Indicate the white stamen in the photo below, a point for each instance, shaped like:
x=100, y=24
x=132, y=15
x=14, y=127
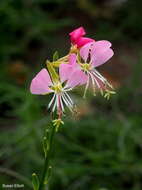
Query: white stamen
x=86, y=87
x=61, y=98
x=64, y=100
x=61, y=102
x=99, y=76
x=103, y=79
x=69, y=98
x=95, y=80
x=66, y=88
x=68, y=103
x=58, y=101
x=92, y=78
x=51, y=102
x=55, y=104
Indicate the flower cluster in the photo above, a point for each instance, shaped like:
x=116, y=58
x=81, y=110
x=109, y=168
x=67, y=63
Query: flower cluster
x=77, y=68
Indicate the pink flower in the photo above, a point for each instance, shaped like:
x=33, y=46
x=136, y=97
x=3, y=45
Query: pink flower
x=77, y=33
x=77, y=38
x=42, y=84
x=93, y=55
x=71, y=72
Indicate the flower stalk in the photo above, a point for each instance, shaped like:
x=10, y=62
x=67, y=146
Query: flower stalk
x=47, y=147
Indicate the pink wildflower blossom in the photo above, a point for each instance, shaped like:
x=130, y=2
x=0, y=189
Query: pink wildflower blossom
x=77, y=38
x=42, y=84
x=71, y=72
x=90, y=56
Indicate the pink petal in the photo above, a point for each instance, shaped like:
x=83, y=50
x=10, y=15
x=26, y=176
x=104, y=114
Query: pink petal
x=82, y=41
x=102, y=57
x=94, y=48
x=65, y=71
x=72, y=59
x=84, y=51
x=40, y=83
x=77, y=33
x=99, y=47
x=78, y=77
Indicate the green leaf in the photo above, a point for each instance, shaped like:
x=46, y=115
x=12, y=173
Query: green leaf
x=35, y=181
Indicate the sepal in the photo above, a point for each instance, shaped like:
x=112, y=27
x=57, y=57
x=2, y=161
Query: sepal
x=48, y=175
x=52, y=71
x=35, y=181
x=55, y=56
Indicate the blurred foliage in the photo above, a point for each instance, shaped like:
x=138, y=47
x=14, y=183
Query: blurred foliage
x=24, y=22
x=102, y=148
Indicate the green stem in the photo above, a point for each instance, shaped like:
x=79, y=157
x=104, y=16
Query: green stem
x=47, y=158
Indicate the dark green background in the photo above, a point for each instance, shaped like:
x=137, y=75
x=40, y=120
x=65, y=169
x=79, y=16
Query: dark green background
x=100, y=148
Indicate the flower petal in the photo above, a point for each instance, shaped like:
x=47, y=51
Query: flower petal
x=94, y=48
x=40, y=84
x=77, y=33
x=78, y=77
x=102, y=57
x=65, y=71
x=82, y=41
x=84, y=51
x=99, y=47
x=72, y=59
